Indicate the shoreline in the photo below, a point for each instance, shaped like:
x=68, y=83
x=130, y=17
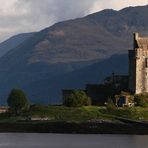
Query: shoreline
x=74, y=128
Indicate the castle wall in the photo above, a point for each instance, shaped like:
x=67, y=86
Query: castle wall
x=138, y=65
x=140, y=72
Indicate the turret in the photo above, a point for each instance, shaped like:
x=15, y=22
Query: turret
x=136, y=36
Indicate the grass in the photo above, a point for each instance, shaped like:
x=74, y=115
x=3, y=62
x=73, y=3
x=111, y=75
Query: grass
x=60, y=113
x=133, y=113
x=79, y=114
x=82, y=114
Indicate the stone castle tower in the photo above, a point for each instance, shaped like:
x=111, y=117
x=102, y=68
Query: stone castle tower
x=138, y=65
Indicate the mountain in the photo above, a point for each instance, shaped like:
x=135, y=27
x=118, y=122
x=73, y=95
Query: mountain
x=43, y=64
x=92, y=74
x=13, y=42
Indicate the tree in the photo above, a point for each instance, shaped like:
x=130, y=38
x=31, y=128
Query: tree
x=77, y=98
x=17, y=101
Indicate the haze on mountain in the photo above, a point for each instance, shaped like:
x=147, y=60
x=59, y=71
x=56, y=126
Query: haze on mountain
x=72, y=53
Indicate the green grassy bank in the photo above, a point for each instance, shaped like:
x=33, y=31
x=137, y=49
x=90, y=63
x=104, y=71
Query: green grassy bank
x=83, y=114
x=78, y=114
x=93, y=119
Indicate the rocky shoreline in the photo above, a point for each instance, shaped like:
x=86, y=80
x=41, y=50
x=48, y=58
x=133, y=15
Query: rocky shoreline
x=78, y=128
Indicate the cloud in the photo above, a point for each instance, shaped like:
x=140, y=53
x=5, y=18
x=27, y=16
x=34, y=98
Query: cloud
x=32, y=15
x=115, y=4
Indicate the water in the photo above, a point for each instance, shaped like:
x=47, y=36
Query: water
x=15, y=140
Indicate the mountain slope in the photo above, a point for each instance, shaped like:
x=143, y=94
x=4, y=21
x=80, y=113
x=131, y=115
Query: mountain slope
x=92, y=74
x=13, y=42
x=50, y=57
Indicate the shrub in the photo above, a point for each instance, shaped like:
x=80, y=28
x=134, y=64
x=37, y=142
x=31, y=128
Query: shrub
x=39, y=110
x=77, y=98
x=110, y=105
x=141, y=99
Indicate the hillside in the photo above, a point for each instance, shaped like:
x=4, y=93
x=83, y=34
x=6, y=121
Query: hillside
x=41, y=65
x=91, y=74
x=13, y=42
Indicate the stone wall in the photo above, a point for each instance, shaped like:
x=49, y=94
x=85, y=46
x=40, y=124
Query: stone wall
x=138, y=65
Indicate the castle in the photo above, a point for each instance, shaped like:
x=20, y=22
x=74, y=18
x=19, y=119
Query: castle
x=136, y=82
x=138, y=65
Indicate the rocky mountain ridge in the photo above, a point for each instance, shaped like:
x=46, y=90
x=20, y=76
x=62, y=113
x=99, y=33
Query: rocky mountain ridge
x=39, y=63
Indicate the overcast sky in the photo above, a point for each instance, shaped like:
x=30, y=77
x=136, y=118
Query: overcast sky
x=17, y=16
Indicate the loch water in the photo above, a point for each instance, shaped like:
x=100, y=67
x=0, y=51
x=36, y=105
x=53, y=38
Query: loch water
x=34, y=140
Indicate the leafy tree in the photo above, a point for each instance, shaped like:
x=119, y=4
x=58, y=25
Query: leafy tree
x=77, y=98
x=17, y=101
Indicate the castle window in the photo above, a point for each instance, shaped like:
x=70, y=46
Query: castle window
x=146, y=62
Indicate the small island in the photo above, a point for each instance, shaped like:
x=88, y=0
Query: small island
x=117, y=106
x=76, y=115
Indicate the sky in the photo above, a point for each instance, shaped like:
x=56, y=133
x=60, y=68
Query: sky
x=19, y=16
